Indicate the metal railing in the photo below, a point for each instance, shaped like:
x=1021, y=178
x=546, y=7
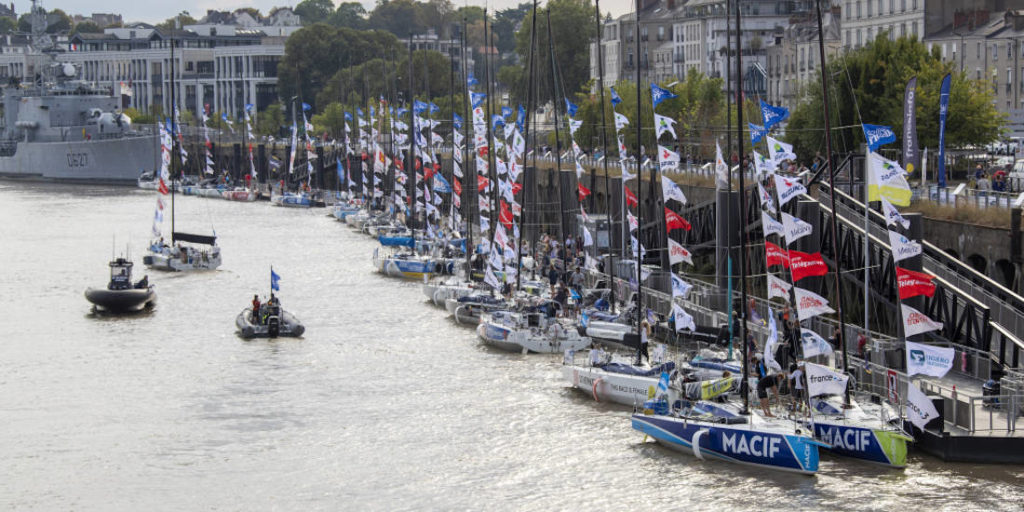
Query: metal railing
x=970, y=196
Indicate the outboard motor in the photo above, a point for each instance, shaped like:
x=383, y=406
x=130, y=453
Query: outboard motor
x=273, y=326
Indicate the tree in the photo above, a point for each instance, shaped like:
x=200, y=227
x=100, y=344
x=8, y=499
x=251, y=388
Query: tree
x=58, y=22
x=505, y=22
x=878, y=74
x=138, y=117
x=270, y=120
x=7, y=25
x=331, y=120
x=572, y=27
x=86, y=27
x=400, y=17
x=349, y=14
x=174, y=22
x=314, y=11
x=252, y=11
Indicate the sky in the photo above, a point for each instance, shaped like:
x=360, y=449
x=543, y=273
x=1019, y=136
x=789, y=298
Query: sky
x=151, y=11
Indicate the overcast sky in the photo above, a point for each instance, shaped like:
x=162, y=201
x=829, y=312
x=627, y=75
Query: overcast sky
x=151, y=11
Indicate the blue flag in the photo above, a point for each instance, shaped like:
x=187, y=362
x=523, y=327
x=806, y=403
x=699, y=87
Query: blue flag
x=877, y=135
x=570, y=108
x=341, y=172
x=401, y=111
x=419, y=107
x=359, y=112
x=275, y=281
x=305, y=107
x=249, y=107
x=496, y=121
x=441, y=185
x=348, y=116
x=457, y=121
x=434, y=108
x=506, y=111
x=660, y=94
x=773, y=115
x=470, y=80
x=521, y=118
x=476, y=98
x=757, y=133
x=943, y=111
x=615, y=97
x=372, y=112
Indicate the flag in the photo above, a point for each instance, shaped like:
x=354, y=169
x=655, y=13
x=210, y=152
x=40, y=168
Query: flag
x=943, y=112
x=505, y=215
x=721, y=169
x=633, y=222
x=631, y=199
x=903, y=248
x=911, y=153
x=795, y=228
x=877, y=135
x=787, y=188
x=822, y=380
x=275, y=281
x=777, y=287
x=773, y=115
x=916, y=322
x=491, y=279
x=680, y=288
x=763, y=165
x=766, y=200
x=920, y=409
x=775, y=255
x=810, y=304
x=659, y=94
x=912, y=284
x=162, y=187
x=482, y=183
x=771, y=226
x=803, y=264
x=682, y=319
x=674, y=221
x=677, y=253
x=813, y=344
x=928, y=359
x=669, y=190
x=621, y=122
x=588, y=240
x=771, y=342
x=477, y=98
x=887, y=179
x=757, y=133
x=570, y=108
x=892, y=215
x=668, y=160
x=615, y=97
x=441, y=185
x=664, y=124
x=779, y=151
x=582, y=191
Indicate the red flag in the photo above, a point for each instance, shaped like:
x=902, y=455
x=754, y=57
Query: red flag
x=162, y=188
x=803, y=264
x=457, y=187
x=481, y=183
x=912, y=283
x=516, y=187
x=430, y=172
x=582, y=191
x=674, y=221
x=400, y=165
x=775, y=255
x=630, y=197
x=505, y=216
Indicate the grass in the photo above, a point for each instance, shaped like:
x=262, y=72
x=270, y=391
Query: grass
x=967, y=213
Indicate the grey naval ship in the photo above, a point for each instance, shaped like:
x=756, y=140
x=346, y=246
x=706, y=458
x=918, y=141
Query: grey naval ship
x=60, y=128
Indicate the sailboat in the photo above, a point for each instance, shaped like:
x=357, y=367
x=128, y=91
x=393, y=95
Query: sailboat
x=186, y=251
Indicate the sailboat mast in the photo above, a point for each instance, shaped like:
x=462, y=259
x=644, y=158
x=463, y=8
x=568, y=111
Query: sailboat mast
x=451, y=101
x=174, y=137
x=558, y=142
x=639, y=188
x=526, y=137
x=467, y=185
x=410, y=168
x=841, y=335
x=604, y=154
x=743, y=208
x=492, y=171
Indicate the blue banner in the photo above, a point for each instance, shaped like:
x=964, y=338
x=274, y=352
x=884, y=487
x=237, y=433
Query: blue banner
x=441, y=185
x=457, y=121
x=773, y=115
x=470, y=80
x=506, y=111
x=305, y=107
x=496, y=121
x=477, y=98
x=520, y=118
x=660, y=94
x=943, y=110
x=419, y=107
x=348, y=116
x=877, y=135
x=615, y=97
x=757, y=133
x=274, y=281
x=570, y=108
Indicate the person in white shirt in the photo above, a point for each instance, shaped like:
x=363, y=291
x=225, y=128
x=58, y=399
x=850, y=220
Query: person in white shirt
x=796, y=385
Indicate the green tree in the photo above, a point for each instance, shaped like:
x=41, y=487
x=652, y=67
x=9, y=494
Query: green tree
x=270, y=120
x=572, y=27
x=349, y=14
x=314, y=11
x=138, y=117
x=505, y=22
x=878, y=74
x=86, y=27
x=331, y=120
x=8, y=26
x=400, y=17
x=58, y=22
x=174, y=22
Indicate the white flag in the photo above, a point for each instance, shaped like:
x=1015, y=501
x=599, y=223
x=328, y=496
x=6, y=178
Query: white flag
x=680, y=288
x=574, y=125
x=771, y=342
x=813, y=344
x=683, y=319
x=795, y=228
x=771, y=226
x=810, y=304
x=886, y=179
x=928, y=359
x=892, y=215
x=664, y=124
x=902, y=247
x=779, y=151
x=916, y=322
x=491, y=279
x=587, y=239
x=668, y=160
x=920, y=409
x=678, y=254
x=787, y=188
x=762, y=164
x=633, y=222
x=822, y=380
x=778, y=288
x=669, y=190
x=621, y=122
x=721, y=169
x=766, y=200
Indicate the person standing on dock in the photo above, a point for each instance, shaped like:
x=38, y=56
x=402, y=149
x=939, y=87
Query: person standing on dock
x=645, y=335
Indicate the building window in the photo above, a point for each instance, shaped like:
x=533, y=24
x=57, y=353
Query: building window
x=869, y=8
x=903, y=32
x=1009, y=51
x=995, y=52
x=859, y=16
x=913, y=5
x=903, y=5
x=880, y=6
x=858, y=37
x=913, y=28
x=891, y=4
x=978, y=56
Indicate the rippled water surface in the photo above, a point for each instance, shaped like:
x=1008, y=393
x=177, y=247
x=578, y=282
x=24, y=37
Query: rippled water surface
x=385, y=404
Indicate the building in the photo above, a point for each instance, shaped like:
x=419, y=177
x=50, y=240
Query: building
x=101, y=20
x=863, y=20
x=794, y=57
x=450, y=47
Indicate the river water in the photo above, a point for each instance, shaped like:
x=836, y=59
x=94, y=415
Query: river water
x=385, y=404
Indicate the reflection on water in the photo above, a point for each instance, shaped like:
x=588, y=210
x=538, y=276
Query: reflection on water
x=384, y=404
